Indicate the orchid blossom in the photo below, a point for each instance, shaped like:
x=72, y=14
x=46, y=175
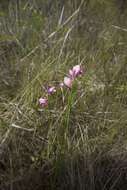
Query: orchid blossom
x=61, y=85
x=75, y=71
x=43, y=102
x=51, y=90
x=68, y=82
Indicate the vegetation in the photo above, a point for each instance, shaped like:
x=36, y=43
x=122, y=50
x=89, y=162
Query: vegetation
x=79, y=143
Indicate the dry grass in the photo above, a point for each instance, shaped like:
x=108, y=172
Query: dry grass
x=81, y=143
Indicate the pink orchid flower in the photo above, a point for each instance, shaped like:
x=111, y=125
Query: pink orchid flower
x=71, y=73
x=75, y=71
x=43, y=102
x=61, y=85
x=78, y=70
x=68, y=82
x=51, y=90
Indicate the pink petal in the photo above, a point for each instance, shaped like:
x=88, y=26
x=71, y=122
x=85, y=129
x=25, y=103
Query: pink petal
x=71, y=73
x=61, y=85
x=77, y=67
x=51, y=90
x=68, y=82
x=77, y=70
x=43, y=102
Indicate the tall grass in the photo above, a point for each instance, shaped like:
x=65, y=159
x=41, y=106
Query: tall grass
x=78, y=143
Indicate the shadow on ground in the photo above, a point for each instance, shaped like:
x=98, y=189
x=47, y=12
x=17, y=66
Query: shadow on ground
x=100, y=174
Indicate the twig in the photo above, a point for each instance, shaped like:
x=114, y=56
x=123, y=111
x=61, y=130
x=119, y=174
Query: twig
x=18, y=127
x=119, y=28
x=61, y=17
x=5, y=137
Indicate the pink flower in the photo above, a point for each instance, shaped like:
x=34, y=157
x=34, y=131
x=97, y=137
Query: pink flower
x=43, y=102
x=71, y=73
x=78, y=70
x=61, y=85
x=68, y=82
x=75, y=71
x=51, y=90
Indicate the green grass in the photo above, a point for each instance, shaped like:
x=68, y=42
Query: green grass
x=78, y=143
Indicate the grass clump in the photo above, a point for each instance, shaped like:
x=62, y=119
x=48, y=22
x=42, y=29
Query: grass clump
x=78, y=141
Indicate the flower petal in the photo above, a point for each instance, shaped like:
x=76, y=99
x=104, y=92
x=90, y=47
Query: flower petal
x=51, y=90
x=77, y=70
x=61, y=85
x=43, y=102
x=71, y=73
x=68, y=82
